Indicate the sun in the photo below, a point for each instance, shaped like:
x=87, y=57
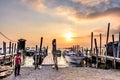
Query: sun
x=68, y=36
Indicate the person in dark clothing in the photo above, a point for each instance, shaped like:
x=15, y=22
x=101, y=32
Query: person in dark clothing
x=17, y=64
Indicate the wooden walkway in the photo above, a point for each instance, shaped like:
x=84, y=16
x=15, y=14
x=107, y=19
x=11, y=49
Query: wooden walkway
x=108, y=58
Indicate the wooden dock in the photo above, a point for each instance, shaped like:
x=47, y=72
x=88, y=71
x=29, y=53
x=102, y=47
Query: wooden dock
x=6, y=59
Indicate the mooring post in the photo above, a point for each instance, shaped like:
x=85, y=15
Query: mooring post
x=118, y=50
x=41, y=41
x=47, y=50
x=12, y=48
x=107, y=41
x=100, y=42
x=4, y=51
x=40, y=51
x=119, y=36
x=15, y=48
x=114, y=52
x=91, y=52
x=12, y=54
x=96, y=53
x=35, y=58
x=54, y=53
x=9, y=47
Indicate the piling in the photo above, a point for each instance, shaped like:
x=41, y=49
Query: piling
x=107, y=40
x=4, y=51
x=12, y=59
x=119, y=36
x=100, y=42
x=9, y=47
x=114, y=53
x=15, y=48
x=96, y=53
x=36, y=61
x=118, y=50
x=54, y=53
x=91, y=43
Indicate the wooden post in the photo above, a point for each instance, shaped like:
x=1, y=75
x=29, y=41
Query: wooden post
x=119, y=36
x=107, y=40
x=114, y=52
x=9, y=47
x=47, y=50
x=96, y=53
x=54, y=53
x=41, y=41
x=91, y=43
x=15, y=48
x=82, y=49
x=12, y=48
x=41, y=45
x=118, y=50
x=36, y=61
x=100, y=42
x=4, y=51
x=12, y=56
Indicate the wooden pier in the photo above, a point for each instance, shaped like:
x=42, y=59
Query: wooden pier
x=112, y=51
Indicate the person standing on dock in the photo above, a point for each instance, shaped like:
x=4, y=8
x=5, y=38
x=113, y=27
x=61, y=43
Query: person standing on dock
x=17, y=64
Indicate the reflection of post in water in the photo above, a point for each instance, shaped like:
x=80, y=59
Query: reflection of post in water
x=54, y=53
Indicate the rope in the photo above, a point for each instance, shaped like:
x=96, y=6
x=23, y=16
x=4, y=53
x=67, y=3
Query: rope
x=6, y=37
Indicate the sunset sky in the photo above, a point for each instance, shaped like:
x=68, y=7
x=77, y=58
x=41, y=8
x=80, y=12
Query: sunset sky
x=69, y=21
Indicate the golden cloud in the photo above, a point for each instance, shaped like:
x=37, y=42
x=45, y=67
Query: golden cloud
x=37, y=4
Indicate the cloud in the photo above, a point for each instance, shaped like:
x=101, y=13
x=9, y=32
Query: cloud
x=116, y=30
x=79, y=9
x=37, y=4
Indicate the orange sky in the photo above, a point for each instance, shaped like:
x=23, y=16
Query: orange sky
x=32, y=19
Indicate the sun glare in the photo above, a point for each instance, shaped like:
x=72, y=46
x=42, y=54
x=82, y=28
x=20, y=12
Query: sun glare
x=68, y=36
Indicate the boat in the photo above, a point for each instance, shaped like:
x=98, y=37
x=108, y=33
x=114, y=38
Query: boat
x=71, y=57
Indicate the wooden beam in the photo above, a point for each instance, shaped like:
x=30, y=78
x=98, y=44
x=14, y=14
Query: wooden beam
x=96, y=53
